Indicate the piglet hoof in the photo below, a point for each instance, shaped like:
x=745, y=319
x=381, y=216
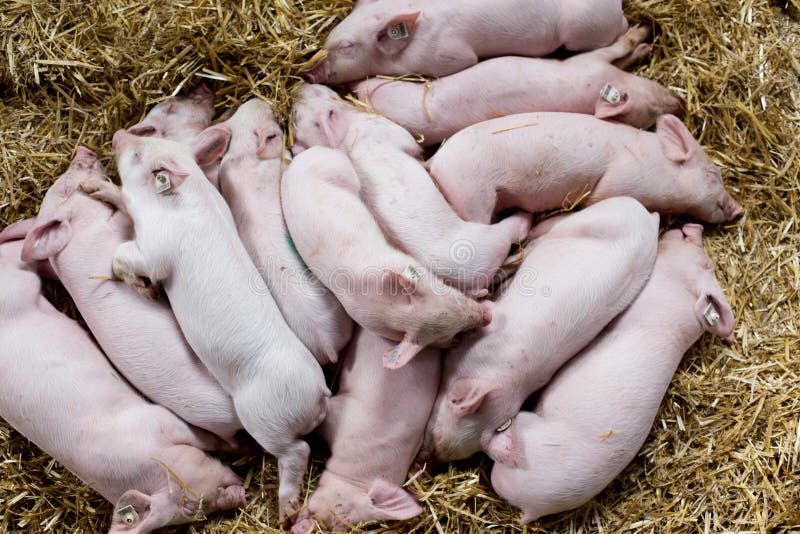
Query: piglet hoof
x=289, y=506
x=103, y=191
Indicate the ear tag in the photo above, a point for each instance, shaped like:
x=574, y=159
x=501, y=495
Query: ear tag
x=394, y=355
x=128, y=514
x=411, y=273
x=711, y=315
x=398, y=31
x=162, y=182
x=504, y=426
x=611, y=94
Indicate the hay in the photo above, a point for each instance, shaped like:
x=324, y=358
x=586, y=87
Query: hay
x=724, y=452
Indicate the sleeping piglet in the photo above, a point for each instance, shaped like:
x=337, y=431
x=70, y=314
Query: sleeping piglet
x=382, y=289
x=591, y=83
x=60, y=392
x=250, y=182
x=374, y=429
x=580, y=271
x=440, y=37
x=79, y=234
x=541, y=161
x=595, y=414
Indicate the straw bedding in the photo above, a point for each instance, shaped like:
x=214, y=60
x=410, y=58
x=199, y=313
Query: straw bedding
x=724, y=452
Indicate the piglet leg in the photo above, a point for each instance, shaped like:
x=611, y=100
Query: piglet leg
x=130, y=267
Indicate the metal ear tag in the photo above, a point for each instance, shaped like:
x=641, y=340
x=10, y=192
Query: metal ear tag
x=128, y=514
x=611, y=94
x=711, y=315
x=398, y=31
x=162, y=182
x=504, y=426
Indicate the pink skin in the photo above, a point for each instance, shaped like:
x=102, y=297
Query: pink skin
x=141, y=337
x=187, y=241
x=435, y=110
x=579, y=273
x=382, y=289
x=181, y=119
x=374, y=429
x=446, y=37
x=405, y=202
x=60, y=392
x=595, y=414
x=250, y=176
x=542, y=161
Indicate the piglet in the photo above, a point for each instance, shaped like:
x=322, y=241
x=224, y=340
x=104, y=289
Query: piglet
x=60, y=392
x=382, y=289
x=542, y=161
x=440, y=37
x=250, y=176
x=595, y=414
x=580, y=271
x=591, y=83
x=401, y=195
x=186, y=240
x=374, y=429
x=141, y=337
x=178, y=118
x=182, y=118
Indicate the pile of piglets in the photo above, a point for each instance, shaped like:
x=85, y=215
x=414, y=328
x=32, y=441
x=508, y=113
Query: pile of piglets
x=226, y=274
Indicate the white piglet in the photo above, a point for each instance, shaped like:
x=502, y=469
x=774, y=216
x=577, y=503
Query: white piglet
x=250, y=181
x=186, y=240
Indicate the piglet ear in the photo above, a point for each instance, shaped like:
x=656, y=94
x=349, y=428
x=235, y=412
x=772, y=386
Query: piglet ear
x=334, y=125
x=142, y=129
x=397, y=33
x=130, y=511
x=46, y=239
x=210, y=145
x=392, y=502
x=17, y=230
x=714, y=313
x=502, y=448
x=402, y=353
x=676, y=140
x=613, y=103
x=467, y=394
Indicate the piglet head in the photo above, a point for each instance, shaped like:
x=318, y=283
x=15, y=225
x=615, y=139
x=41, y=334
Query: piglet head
x=440, y=313
x=464, y=421
x=337, y=504
x=160, y=166
x=683, y=250
x=636, y=101
x=253, y=130
x=178, y=118
x=199, y=485
x=320, y=118
x=699, y=181
x=364, y=42
x=53, y=227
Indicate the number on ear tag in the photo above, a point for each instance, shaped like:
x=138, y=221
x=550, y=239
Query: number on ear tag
x=611, y=94
x=398, y=31
x=162, y=182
